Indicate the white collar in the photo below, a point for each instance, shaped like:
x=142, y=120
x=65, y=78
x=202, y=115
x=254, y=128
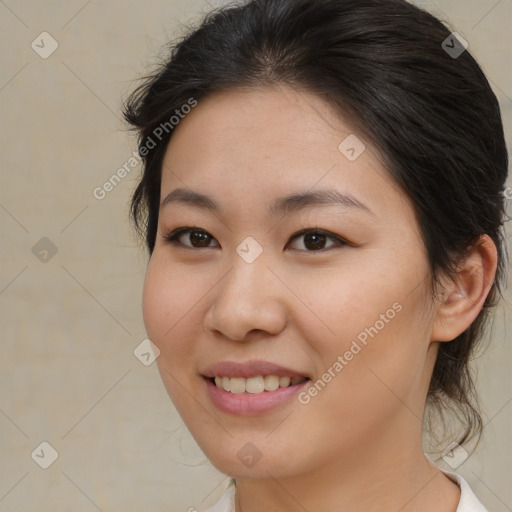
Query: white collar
x=468, y=501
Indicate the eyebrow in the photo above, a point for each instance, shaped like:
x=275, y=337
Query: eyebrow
x=281, y=206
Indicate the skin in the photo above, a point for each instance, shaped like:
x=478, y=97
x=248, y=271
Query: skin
x=357, y=444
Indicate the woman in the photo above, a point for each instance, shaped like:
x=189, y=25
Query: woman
x=322, y=201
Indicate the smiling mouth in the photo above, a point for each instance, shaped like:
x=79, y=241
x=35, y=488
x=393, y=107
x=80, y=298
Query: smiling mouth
x=257, y=384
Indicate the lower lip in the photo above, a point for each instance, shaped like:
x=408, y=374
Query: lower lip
x=242, y=404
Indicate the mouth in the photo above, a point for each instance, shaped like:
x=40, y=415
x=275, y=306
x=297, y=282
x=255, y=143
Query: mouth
x=252, y=387
x=256, y=384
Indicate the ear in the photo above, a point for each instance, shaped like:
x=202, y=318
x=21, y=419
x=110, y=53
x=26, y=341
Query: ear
x=464, y=295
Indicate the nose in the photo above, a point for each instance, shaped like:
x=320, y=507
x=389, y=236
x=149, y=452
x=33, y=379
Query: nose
x=247, y=301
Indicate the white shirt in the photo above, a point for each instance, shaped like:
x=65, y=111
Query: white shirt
x=468, y=501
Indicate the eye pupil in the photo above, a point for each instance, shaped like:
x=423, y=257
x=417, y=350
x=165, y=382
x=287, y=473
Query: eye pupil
x=317, y=238
x=200, y=237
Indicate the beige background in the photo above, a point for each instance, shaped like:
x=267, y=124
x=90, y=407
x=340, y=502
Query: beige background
x=70, y=324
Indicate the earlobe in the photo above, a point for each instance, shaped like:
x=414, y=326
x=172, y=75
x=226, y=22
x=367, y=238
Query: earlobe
x=465, y=294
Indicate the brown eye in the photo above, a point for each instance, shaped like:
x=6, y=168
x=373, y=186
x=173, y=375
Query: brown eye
x=197, y=238
x=315, y=240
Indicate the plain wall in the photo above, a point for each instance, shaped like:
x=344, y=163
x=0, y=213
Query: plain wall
x=70, y=321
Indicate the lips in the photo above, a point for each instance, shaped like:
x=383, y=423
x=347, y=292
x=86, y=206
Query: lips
x=252, y=387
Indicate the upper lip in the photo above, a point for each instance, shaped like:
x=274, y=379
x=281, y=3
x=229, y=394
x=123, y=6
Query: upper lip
x=249, y=369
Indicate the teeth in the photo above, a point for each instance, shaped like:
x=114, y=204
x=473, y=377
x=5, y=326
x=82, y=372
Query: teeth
x=257, y=384
x=225, y=383
x=271, y=382
x=284, y=382
x=236, y=384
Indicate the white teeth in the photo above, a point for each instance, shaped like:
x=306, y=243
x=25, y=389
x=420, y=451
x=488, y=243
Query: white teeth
x=284, y=382
x=225, y=383
x=236, y=384
x=271, y=382
x=257, y=384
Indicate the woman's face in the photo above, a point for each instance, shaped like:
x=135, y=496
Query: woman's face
x=342, y=310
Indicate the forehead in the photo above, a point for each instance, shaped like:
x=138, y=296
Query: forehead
x=260, y=114
x=241, y=145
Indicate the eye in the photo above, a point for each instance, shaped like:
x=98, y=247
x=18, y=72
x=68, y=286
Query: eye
x=200, y=237
x=313, y=239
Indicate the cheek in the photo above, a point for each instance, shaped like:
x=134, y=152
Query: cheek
x=382, y=369
x=369, y=330
x=155, y=304
x=168, y=301
x=344, y=303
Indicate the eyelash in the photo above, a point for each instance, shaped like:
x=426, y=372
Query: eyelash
x=173, y=238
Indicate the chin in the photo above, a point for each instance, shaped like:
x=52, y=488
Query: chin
x=242, y=459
